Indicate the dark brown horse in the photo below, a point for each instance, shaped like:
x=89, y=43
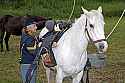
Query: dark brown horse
x=13, y=25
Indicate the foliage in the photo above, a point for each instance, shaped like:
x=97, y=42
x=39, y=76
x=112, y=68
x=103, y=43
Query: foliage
x=59, y=8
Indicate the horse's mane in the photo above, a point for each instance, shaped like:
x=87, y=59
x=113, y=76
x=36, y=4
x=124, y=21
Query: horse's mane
x=80, y=22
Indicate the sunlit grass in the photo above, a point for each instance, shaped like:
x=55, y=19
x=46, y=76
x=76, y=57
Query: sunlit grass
x=61, y=9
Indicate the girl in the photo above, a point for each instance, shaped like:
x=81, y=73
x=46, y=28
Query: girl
x=27, y=48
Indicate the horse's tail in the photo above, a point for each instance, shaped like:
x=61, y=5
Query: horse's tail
x=2, y=33
x=3, y=21
x=2, y=28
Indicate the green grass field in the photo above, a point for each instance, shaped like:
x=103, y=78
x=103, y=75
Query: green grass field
x=114, y=72
x=59, y=9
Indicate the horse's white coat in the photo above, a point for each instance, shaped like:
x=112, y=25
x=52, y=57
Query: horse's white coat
x=71, y=50
x=73, y=45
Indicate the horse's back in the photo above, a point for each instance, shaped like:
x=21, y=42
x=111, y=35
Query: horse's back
x=14, y=25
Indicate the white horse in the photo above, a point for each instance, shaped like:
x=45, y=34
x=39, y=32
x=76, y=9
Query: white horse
x=71, y=50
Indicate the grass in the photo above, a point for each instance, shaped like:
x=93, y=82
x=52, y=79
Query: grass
x=60, y=9
x=113, y=73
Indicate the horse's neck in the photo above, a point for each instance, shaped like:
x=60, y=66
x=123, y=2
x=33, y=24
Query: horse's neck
x=75, y=37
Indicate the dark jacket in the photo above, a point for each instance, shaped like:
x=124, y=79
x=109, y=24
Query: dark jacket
x=27, y=56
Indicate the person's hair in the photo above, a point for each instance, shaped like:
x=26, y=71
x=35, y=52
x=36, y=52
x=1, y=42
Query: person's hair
x=25, y=30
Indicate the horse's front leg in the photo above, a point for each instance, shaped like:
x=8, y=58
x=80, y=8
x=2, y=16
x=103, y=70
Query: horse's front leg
x=77, y=78
x=59, y=76
x=50, y=74
x=7, y=36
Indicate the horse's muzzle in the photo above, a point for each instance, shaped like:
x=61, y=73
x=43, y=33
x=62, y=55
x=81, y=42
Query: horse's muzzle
x=102, y=46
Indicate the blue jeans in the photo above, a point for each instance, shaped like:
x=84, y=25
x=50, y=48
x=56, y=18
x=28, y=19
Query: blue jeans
x=23, y=71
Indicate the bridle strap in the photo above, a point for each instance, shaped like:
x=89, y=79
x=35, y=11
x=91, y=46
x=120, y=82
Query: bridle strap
x=86, y=30
x=99, y=40
x=88, y=35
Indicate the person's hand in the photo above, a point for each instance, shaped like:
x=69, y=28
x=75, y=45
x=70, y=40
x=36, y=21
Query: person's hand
x=54, y=45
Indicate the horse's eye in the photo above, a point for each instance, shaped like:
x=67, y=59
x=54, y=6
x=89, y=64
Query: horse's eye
x=91, y=25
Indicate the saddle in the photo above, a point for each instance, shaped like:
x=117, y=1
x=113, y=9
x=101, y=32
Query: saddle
x=49, y=39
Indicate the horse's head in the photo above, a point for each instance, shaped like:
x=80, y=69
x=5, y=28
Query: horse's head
x=95, y=28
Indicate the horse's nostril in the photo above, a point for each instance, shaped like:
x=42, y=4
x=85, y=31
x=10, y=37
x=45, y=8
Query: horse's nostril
x=101, y=46
x=91, y=26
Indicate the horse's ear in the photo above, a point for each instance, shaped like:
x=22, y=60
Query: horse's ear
x=100, y=9
x=84, y=10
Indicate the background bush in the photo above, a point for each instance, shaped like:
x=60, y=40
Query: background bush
x=59, y=8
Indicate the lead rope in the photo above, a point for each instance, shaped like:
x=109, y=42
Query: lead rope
x=116, y=25
x=73, y=8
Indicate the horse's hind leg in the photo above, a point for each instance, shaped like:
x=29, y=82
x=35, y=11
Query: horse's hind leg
x=77, y=78
x=7, y=36
x=48, y=75
x=1, y=39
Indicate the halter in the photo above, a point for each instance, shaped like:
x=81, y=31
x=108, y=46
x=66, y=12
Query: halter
x=86, y=30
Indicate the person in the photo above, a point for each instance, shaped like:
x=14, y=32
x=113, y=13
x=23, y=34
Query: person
x=27, y=49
